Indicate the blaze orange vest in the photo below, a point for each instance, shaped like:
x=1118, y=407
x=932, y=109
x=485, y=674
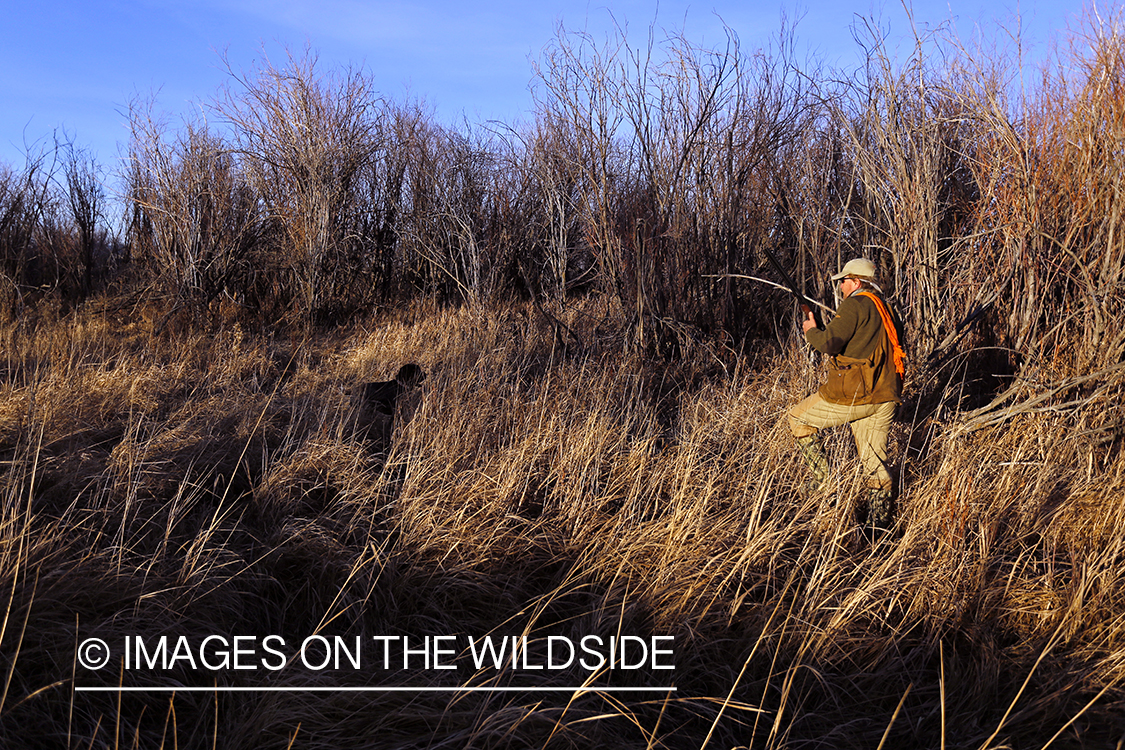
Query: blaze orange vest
x=892, y=332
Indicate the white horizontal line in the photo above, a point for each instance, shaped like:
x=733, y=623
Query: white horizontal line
x=284, y=689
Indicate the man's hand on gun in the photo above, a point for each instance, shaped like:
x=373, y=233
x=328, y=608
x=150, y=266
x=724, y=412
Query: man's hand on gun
x=809, y=321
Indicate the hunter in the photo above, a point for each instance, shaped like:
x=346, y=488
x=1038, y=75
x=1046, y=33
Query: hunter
x=865, y=370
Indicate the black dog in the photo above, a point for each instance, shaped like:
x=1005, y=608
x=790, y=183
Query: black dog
x=375, y=405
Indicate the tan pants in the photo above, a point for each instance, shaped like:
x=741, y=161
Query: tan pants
x=869, y=422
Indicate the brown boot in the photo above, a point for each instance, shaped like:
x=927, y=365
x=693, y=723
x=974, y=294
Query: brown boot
x=812, y=450
x=880, y=513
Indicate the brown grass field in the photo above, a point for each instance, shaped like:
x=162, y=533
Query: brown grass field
x=200, y=483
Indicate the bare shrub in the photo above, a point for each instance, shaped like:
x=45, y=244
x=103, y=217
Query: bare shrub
x=453, y=229
x=1053, y=205
x=579, y=104
x=72, y=245
x=86, y=199
x=551, y=172
x=305, y=137
x=1041, y=265
x=715, y=131
x=24, y=197
x=195, y=221
x=384, y=201
x=675, y=158
x=905, y=136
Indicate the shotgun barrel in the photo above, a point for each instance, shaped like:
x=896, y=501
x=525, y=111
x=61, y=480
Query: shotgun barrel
x=806, y=305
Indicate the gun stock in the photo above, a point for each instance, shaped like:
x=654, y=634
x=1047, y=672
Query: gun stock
x=806, y=309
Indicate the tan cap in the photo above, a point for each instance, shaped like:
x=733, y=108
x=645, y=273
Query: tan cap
x=858, y=267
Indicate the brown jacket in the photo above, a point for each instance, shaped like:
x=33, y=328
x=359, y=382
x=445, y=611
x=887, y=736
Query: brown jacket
x=861, y=366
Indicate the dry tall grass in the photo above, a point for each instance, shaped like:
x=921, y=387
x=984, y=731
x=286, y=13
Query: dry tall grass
x=203, y=482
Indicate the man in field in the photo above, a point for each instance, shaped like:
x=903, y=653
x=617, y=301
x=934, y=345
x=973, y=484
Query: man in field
x=865, y=371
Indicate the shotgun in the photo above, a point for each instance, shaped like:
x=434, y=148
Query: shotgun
x=806, y=305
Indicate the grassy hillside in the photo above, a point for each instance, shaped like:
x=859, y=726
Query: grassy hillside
x=203, y=482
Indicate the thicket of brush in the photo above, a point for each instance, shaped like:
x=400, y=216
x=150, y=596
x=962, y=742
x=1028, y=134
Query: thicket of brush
x=600, y=447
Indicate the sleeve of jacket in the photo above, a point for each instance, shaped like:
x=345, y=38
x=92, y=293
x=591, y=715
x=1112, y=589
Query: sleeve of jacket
x=836, y=335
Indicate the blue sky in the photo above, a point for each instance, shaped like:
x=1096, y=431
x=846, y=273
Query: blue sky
x=75, y=65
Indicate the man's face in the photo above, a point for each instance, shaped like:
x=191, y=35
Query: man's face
x=847, y=286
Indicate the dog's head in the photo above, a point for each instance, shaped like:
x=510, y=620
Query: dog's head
x=409, y=375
